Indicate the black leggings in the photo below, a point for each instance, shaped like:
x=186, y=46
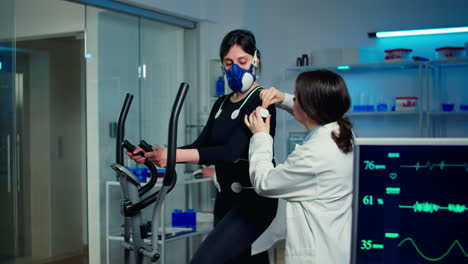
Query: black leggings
x=231, y=239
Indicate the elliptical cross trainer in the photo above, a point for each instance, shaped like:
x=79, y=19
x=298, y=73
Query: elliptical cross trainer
x=133, y=199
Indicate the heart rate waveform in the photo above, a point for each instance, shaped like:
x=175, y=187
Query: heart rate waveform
x=430, y=166
x=454, y=243
x=427, y=207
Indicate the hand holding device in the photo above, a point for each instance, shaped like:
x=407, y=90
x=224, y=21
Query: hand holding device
x=271, y=96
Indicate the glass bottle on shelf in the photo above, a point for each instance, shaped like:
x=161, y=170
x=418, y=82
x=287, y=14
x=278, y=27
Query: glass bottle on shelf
x=220, y=86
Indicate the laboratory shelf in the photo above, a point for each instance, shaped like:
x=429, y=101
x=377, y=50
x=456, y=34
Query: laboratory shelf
x=403, y=65
x=449, y=63
x=117, y=237
x=382, y=114
x=202, y=229
x=186, y=181
x=448, y=114
x=200, y=180
x=434, y=80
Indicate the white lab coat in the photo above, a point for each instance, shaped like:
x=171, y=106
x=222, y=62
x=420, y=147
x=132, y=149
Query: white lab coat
x=316, y=181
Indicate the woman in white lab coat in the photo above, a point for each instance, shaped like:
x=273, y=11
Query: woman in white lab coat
x=316, y=178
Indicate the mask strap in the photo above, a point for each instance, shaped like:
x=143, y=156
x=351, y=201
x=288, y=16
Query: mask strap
x=236, y=112
x=255, y=59
x=248, y=96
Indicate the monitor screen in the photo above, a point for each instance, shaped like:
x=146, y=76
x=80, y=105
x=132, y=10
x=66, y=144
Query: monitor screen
x=410, y=201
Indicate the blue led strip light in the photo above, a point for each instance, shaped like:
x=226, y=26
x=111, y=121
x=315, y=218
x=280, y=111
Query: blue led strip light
x=417, y=32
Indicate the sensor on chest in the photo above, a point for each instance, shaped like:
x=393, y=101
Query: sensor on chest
x=264, y=112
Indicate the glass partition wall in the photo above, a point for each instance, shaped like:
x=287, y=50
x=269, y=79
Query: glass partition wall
x=9, y=224
x=62, y=84
x=42, y=175
x=129, y=54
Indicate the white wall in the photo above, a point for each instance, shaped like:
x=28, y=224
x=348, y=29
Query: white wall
x=48, y=18
x=287, y=29
x=225, y=16
x=220, y=12
x=191, y=9
x=284, y=29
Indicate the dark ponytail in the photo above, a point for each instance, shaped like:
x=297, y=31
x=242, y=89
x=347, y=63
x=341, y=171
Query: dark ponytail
x=325, y=99
x=344, y=140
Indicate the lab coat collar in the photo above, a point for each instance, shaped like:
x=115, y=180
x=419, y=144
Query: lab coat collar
x=332, y=126
x=308, y=136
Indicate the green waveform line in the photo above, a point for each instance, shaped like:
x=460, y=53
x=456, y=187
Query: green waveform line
x=427, y=207
x=428, y=164
x=455, y=242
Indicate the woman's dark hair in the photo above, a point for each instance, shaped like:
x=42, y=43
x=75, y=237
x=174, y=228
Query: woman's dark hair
x=244, y=38
x=325, y=98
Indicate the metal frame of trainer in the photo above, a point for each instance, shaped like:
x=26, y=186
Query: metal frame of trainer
x=133, y=194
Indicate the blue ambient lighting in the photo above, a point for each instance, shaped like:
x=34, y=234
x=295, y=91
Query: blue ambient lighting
x=417, y=32
x=343, y=67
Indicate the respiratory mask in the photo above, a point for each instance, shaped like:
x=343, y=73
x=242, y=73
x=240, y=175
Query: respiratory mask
x=239, y=79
